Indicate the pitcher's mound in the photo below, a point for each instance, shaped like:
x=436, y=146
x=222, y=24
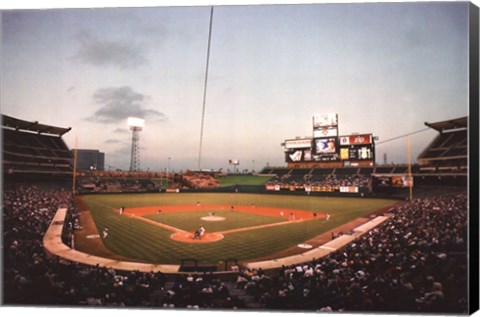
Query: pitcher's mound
x=188, y=237
x=213, y=218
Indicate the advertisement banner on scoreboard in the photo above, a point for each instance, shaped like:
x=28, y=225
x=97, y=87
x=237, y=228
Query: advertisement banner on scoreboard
x=298, y=144
x=325, y=120
x=356, y=139
x=295, y=156
x=299, y=156
x=324, y=132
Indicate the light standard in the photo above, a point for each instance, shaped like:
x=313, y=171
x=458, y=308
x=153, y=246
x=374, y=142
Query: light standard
x=253, y=166
x=136, y=125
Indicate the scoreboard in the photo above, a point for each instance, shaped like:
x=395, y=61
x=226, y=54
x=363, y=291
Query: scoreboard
x=326, y=145
x=345, y=149
x=356, y=147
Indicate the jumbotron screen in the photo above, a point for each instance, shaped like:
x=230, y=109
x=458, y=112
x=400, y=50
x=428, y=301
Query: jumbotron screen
x=325, y=145
x=342, y=148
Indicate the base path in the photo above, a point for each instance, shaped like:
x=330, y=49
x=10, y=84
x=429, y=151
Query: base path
x=185, y=236
x=289, y=214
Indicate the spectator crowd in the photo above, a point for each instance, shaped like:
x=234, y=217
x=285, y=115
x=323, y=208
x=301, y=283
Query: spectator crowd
x=33, y=277
x=327, y=182
x=414, y=262
x=87, y=185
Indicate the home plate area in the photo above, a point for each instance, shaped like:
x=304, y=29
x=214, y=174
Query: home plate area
x=189, y=237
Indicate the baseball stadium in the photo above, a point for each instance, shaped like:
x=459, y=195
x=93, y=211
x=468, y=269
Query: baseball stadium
x=333, y=228
x=261, y=234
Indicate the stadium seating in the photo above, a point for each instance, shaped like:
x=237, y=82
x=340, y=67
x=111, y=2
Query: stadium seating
x=450, y=147
x=330, y=179
x=30, y=148
x=86, y=184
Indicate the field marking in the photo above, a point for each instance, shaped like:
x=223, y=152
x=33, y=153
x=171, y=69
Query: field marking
x=260, y=226
x=156, y=223
x=177, y=230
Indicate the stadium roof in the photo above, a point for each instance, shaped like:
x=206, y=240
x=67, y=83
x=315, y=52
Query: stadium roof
x=18, y=124
x=449, y=124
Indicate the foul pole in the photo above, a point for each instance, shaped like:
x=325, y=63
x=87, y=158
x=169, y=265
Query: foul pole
x=409, y=160
x=74, y=165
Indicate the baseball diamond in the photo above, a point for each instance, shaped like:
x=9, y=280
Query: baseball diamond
x=159, y=228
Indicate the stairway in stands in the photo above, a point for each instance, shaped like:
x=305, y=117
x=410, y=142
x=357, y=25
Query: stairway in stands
x=240, y=293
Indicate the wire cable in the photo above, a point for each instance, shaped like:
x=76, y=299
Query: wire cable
x=401, y=136
x=205, y=90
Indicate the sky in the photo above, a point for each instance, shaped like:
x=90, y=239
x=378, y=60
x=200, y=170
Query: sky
x=384, y=68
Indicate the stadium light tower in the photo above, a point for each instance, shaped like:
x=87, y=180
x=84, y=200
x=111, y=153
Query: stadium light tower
x=136, y=125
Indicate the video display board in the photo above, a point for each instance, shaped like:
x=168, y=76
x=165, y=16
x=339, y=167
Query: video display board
x=357, y=153
x=358, y=147
x=325, y=149
x=325, y=145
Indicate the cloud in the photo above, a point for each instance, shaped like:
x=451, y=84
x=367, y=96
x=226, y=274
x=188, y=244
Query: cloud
x=112, y=141
x=120, y=54
x=120, y=130
x=119, y=103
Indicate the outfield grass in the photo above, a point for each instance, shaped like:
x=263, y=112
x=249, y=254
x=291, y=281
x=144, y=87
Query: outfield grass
x=233, y=180
x=143, y=241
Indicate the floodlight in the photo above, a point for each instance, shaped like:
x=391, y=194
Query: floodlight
x=136, y=122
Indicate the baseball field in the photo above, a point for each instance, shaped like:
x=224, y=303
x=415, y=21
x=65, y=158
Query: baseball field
x=158, y=228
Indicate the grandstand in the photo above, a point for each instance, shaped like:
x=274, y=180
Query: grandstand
x=31, y=149
x=448, y=152
x=446, y=157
